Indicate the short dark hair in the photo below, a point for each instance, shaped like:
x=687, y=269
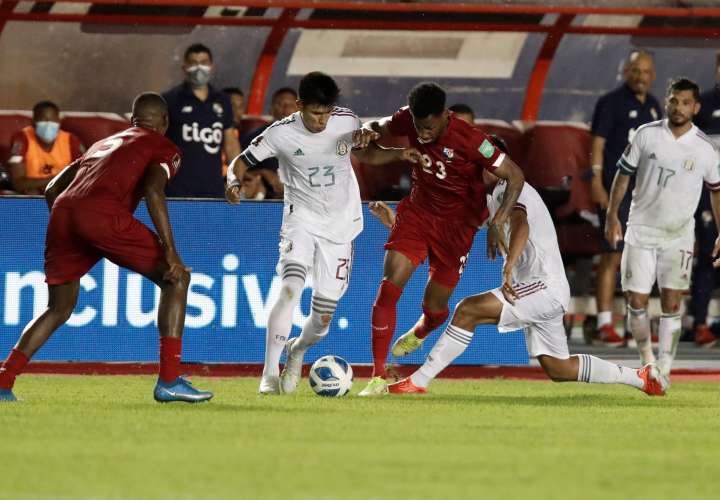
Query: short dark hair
x=462, y=108
x=499, y=143
x=284, y=90
x=681, y=83
x=44, y=105
x=318, y=88
x=197, y=48
x=426, y=99
x=234, y=90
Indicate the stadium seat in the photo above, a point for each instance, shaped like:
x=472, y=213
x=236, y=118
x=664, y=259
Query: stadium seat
x=250, y=123
x=11, y=122
x=91, y=127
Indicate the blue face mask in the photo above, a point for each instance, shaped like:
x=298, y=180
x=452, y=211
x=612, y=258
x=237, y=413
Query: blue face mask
x=47, y=131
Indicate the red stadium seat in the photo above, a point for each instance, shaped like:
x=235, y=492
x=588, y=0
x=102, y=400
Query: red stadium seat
x=250, y=123
x=91, y=127
x=10, y=123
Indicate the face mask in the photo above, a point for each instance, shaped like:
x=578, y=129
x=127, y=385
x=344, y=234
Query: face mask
x=198, y=75
x=47, y=131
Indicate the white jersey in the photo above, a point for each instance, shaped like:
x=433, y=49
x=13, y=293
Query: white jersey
x=670, y=174
x=320, y=185
x=540, y=260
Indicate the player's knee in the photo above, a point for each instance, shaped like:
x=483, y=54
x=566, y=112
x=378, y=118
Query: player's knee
x=62, y=310
x=637, y=302
x=671, y=306
x=465, y=315
x=557, y=370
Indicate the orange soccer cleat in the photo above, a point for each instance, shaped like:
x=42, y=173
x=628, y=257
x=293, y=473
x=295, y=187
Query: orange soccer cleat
x=405, y=386
x=653, y=383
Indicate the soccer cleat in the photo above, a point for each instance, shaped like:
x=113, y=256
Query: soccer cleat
x=405, y=386
x=290, y=376
x=269, y=384
x=610, y=337
x=704, y=337
x=179, y=389
x=406, y=344
x=376, y=387
x=7, y=396
x=654, y=384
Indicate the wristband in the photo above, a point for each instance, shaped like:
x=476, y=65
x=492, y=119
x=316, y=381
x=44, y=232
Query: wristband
x=597, y=169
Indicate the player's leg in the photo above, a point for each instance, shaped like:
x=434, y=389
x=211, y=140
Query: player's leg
x=670, y=329
x=703, y=272
x=332, y=267
x=638, y=271
x=605, y=295
x=61, y=302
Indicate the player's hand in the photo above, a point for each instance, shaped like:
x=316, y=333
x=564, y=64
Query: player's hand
x=411, y=154
x=232, y=194
x=384, y=213
x=716, y=253
x=495, y=240
x=613, y=230
x=598, y=194
x=364, y=136
x=507, y=289
x=177, y=268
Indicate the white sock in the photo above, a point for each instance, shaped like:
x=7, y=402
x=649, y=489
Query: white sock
x=594, y=370
x=639, y=322
x=315, y=328
x=668, y=338
x=604, y=318
x=280, y=320
x=449, y=346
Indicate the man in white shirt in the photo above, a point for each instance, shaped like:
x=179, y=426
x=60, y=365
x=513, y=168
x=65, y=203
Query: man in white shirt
x=670, y=159
x=321, y=217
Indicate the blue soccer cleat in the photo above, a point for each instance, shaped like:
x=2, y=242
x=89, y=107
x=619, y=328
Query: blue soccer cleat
x=179, y=389
x=7, y=396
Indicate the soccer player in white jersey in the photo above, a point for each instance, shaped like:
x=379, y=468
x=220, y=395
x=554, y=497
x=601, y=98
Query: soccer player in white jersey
x=321, y=217
x=534, y=297
x=670, y=159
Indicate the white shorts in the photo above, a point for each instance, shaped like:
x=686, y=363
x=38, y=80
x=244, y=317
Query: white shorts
x=540, y=315
x=331, y=263
x=670, y=264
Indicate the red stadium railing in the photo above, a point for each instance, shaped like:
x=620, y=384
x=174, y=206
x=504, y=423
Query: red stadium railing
x=675, y=25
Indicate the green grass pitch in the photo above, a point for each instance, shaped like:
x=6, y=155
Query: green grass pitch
x=104, y=437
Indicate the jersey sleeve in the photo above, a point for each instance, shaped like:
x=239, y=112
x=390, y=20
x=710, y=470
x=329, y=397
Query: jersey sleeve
x=483, y=152
x=628, y=162
x=18, y=147
x=602, y=119
x=401, y=122
x=168, y=158
x=261, y=148
x=712, y=173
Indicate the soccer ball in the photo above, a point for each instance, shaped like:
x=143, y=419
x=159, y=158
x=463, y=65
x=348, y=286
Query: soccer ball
x=331, y=376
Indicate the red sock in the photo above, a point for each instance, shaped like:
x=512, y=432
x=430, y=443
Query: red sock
x=170, y=353
x=383, y=324
x=429, y=321
x=12, y=367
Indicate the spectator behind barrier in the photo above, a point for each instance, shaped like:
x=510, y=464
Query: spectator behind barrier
x=283, y=104
x=464, y=112
x=202, y=126
x=41, y=150
x=237, y=101
x=616, y=117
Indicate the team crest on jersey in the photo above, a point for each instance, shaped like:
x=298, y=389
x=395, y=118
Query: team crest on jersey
x=217, y=107
x=449, y=153
x=689, y=164
x=342, y=148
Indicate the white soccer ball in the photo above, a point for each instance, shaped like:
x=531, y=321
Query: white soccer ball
x=331, y=376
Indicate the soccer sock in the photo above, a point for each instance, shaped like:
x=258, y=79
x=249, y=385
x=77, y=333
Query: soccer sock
x=12, y=367
x=639, y=322
x=429, y=321
x=383, y=324
x=598, y=371
x=449, y=346
x=280, y=320
x=668, y=338
x=170, y=354
x=315, y=329
x=604, y=318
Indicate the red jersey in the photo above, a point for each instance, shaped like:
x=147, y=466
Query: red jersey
x=111, y=171
x=446, y=184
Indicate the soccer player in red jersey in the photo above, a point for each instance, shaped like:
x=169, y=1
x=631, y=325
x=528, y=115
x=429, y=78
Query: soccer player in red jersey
x=91, y=206
x=438, y=220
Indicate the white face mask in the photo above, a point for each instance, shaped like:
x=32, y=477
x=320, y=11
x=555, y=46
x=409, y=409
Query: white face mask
x=198, y=74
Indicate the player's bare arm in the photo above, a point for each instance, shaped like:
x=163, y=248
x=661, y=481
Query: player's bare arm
x=60, y=182
x=515, y=179
x=378, y=155
x=613, y=229
x=715, y=202
x=519, y=234
x=231, y=144
x=23, y=184
x=154, y=191
x=235, y=174
x=272, y=178
x=597, y=190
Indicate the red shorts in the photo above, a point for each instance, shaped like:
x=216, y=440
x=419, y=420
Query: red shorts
x=77, y=238
x=446, y=245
